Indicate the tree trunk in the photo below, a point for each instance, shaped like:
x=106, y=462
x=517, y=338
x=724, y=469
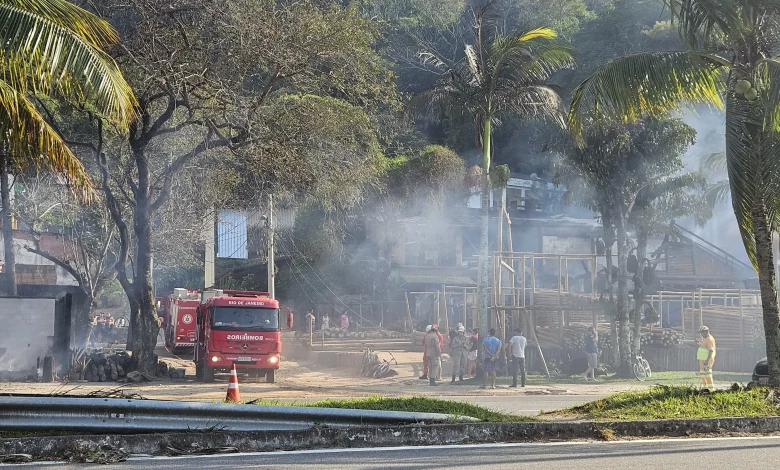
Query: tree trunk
x=624, y=326
x=768, y=283
x=143, y=315
x=9, y=269
x=82, y=321
x=609, y=240
x=484, y=241
x=639, y=292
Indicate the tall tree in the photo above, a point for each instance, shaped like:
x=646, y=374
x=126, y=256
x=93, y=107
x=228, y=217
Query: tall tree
x=665, y=198
x=729, y=63
x=51, y=48
x=501, y=74
x=622, y=165
x=224, y=81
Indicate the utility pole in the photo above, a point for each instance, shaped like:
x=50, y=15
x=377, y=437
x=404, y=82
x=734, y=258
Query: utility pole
x=271, y=266
x=210, y=257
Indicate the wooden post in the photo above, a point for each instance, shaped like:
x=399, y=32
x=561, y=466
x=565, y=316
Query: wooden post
x=465, y=308
x=311, y=332
x=560, y=327
x=409, y=312
x=538, y=346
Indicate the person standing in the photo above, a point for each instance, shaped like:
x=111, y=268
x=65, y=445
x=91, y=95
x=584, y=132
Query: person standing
x=433, y=345
x=325, y=322
x=471, y=367
x=345, y=321
x=706, y=356
x=516, y=348
x=424, y=375
x=592, y=353
x=459, y=350
x=311, y=319
x=491, y=349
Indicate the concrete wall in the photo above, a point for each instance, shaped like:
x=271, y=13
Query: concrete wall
x=24, y=257
x=24, y=334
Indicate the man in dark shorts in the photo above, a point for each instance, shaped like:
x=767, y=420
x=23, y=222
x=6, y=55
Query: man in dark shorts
x=491, y=348
x=592, y=353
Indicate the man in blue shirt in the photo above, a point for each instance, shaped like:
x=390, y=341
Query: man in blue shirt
x=491, y=348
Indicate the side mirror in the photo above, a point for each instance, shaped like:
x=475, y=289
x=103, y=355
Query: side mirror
x=290, y=320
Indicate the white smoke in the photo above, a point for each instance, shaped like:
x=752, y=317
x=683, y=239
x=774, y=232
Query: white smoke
x=721, y=230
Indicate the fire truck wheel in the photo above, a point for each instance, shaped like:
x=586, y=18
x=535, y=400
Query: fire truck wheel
x=270, y=376
x=208, y=374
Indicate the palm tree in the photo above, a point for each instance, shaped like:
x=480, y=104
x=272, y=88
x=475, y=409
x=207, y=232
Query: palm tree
x=501, y=75
x=729, y=63
x=51, y=49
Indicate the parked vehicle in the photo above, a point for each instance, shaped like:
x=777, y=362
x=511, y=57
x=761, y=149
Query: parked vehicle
x=761, y=372
x=241, y=328
x=180, y=327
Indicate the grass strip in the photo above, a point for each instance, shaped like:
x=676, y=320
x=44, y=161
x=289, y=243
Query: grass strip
x=418, y=405
x=676, y=402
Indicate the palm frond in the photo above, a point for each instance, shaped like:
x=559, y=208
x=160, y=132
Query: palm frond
x=769, y=72
x=642, y=84
x=753, y=160
x=530, y=56
x=475, y=67
x=94, y=30
x=698, y=20
x=693, y=181
x=718, y=193
x=533, y=103
x=32, y=143
x=713, y=163
x=41, y=55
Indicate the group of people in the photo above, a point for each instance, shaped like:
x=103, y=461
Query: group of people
x=325, y=321
x=102, y=326
x=463, y=352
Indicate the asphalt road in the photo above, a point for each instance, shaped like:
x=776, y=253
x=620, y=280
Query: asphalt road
x=725, y=453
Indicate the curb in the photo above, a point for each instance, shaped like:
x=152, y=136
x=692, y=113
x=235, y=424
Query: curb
x=381, y=436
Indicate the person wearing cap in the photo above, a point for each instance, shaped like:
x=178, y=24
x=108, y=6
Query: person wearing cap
x=706, y=356
x=459, y=351
x=433, y=344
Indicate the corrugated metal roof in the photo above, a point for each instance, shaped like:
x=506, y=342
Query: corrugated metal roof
x=438, y=279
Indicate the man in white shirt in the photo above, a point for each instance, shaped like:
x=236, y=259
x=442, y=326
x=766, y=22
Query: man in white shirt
x=516, y=349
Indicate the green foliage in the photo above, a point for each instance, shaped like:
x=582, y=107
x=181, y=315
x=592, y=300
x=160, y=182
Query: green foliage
x=564, y=16
x=499, y=176
x=673, y=402
x=617, y=162
x=421, y=405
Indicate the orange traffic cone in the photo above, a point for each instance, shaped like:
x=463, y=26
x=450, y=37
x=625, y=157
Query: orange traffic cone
x=233, y=395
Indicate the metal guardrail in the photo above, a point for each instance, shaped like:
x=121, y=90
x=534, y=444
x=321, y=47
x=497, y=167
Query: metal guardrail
x=133, y=416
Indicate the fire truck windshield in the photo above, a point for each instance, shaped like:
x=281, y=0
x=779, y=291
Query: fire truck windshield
x=242, y=318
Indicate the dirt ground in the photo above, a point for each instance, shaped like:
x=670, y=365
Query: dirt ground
x=307, y=381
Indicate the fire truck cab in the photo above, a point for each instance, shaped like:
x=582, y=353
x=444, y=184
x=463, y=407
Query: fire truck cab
x=241, y=328
x=180, y=324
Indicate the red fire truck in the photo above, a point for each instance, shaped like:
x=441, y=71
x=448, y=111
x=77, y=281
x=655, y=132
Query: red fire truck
x=241, y=328
x=180, y=324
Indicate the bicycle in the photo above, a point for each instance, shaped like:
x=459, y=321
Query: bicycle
x=370, y=360
x=381, y=369
x=641, y=368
